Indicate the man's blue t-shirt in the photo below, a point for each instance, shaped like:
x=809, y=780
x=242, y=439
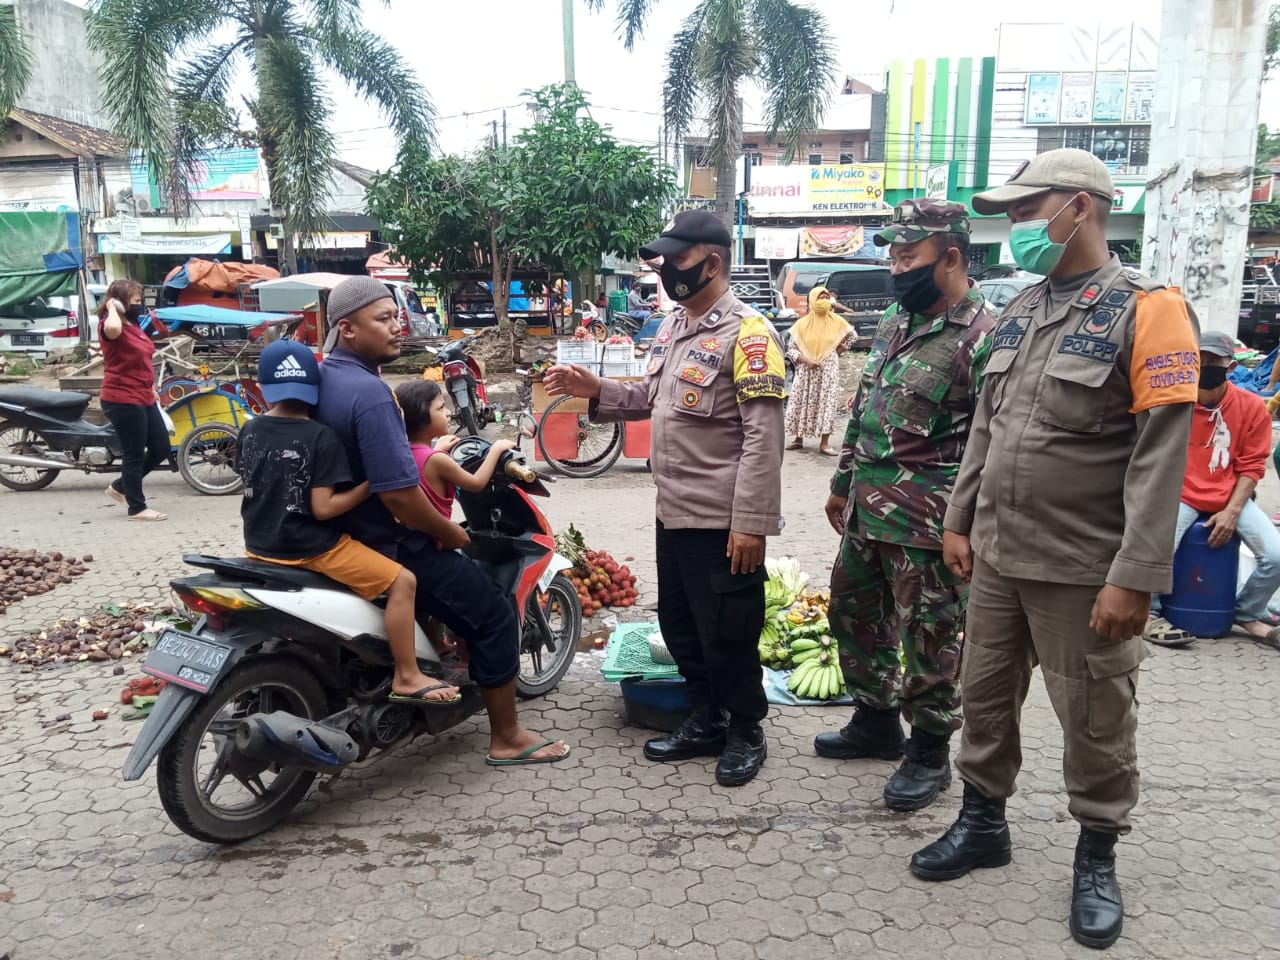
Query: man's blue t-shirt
x=361, y=409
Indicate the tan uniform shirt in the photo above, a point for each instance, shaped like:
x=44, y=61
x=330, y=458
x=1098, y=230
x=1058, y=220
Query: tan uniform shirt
x=1076, y=457
x=715, y=389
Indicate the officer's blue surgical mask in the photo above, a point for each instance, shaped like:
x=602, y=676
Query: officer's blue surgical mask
x=1032, y=249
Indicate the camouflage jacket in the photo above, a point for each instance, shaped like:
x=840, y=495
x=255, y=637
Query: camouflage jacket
x=910, y=421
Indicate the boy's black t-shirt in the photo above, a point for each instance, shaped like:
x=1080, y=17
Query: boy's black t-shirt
x=280, y=460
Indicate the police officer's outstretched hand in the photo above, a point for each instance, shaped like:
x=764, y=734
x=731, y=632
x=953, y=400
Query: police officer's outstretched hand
x=957, y=554
x=1119, y=613
x=835, y=509
x=745, y=552
x=572, y=380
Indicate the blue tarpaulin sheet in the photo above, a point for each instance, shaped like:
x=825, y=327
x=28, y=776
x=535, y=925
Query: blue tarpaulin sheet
x=203, y=313
x=1256, y=380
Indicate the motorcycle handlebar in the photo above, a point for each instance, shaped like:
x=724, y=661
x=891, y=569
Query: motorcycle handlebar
x=519, y=471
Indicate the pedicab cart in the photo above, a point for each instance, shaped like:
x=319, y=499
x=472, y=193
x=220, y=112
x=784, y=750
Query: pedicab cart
x=537, y=300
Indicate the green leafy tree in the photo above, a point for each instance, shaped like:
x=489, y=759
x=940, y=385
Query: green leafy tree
x=15, y=59
x=779, y=45
x=166, y=81
x=563, y=196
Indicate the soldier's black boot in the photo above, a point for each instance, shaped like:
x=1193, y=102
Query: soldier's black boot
x=978, y=838
x=924, y=774
x=1097, y=911
x=744, y=753
x=701, y=735
x=871, y=733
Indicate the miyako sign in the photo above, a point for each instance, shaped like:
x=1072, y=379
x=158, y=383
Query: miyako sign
x=821, y=188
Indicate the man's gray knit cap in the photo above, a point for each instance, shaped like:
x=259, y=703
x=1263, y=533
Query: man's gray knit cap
x=352, y=294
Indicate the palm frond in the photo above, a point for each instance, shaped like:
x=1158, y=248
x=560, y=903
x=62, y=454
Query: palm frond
x=797, y=66
x=376, y=70
x=136, y=39
x=680, y=88
x=15, y=59
x=202, y=115
x=726, y=55
x=291, y=111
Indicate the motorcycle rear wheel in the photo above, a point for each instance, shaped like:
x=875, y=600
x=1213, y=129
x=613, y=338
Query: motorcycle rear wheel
x=599, y=330
x=564, y=616
x=258, y=686
x=468, y=417
x=24, y=442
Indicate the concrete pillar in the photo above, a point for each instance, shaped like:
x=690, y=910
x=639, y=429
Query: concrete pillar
x=1203, y=140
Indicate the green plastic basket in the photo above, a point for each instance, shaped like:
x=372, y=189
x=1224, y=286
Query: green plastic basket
x=627, y=655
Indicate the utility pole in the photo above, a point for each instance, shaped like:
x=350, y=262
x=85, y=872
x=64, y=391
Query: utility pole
x=566, y=17
x=1203, y=148
x=504, y=130
x=495, y=134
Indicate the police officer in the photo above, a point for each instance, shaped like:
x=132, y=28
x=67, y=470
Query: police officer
x=714, y=390
x=890, y=590
x=1063, y=513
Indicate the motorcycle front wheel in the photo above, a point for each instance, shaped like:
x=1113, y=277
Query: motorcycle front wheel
x=24, y=442
x=208, y=789
x=541, y=668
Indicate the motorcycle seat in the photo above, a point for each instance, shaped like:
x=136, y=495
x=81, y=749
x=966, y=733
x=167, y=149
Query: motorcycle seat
x=48, y=401
x=272, y=575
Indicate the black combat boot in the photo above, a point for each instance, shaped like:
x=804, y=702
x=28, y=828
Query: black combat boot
x=978, y=838
x=923, y=775
x=701, y=735
x=1097, y=912
x=871, y=733
x=744, y=753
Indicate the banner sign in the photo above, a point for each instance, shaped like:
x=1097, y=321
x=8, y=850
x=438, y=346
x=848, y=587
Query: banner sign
x=1077, y=98
x=681, y=204
x=1044, y=90
x=166, y=243
x=1142, y=95
x=231, y=174
x=1108, y=97
x=830, y=241
x=937, y=180
x=820, y=188
x=777, y=243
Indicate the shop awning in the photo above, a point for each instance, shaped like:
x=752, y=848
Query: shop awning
x=296, y=292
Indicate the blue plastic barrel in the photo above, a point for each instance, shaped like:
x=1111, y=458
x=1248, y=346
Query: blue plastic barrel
x=1203, y=601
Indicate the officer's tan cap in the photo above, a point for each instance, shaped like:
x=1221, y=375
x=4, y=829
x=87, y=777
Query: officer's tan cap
x=1067, y=169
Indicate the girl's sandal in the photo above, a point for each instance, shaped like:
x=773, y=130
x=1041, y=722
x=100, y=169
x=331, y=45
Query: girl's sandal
x=149, y=514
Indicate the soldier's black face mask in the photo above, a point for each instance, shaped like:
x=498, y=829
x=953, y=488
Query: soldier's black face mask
x=683, y=284
x=916, y=289
x=1211, y=378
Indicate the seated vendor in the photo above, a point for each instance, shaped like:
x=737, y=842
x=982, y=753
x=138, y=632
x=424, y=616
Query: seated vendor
x=1226, y=457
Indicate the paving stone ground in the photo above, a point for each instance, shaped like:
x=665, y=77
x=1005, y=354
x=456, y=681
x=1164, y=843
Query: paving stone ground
x=432, y=854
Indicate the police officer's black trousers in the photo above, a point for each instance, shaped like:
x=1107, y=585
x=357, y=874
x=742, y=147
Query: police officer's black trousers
x=711, y=621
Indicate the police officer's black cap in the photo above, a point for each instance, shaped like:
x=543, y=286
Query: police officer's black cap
x=688, y=229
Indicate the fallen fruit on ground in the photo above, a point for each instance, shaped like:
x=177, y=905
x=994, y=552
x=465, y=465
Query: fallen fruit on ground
x=27, y=573
x=112, y=634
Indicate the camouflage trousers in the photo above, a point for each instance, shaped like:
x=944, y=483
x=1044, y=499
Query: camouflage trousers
x=893, y=605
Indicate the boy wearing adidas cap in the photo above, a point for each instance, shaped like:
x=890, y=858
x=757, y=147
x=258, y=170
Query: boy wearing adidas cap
x=291, y=466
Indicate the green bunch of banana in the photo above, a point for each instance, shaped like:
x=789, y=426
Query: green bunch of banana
x=817, y=675
x=772, y=646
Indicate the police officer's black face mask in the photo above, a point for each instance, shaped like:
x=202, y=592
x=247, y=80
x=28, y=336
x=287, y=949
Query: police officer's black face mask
x=683, y=284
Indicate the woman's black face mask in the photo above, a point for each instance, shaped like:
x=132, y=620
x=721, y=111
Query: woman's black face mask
x=133, y=313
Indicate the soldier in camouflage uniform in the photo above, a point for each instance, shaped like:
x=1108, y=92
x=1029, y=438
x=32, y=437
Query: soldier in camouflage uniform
x=891, y=594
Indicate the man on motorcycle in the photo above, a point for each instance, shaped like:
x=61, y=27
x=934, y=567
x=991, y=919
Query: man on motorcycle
x=360, y=407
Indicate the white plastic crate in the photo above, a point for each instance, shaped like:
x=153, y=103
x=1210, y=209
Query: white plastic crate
x=578, y=351
x=631, y=368
x=619, y=352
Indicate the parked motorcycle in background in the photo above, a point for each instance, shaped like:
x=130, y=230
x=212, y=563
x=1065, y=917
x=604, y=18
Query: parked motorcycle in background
x=464, y=383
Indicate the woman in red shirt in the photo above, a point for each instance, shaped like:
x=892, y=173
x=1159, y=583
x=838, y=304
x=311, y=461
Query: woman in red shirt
x=129, y=396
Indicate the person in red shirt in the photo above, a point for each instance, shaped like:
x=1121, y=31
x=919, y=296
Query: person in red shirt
x=1226, y=457
x=129, y=397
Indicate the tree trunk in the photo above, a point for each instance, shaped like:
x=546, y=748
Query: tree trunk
x=501, y=279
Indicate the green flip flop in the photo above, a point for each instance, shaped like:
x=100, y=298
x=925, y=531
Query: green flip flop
x=419, y=696
x=527, y=756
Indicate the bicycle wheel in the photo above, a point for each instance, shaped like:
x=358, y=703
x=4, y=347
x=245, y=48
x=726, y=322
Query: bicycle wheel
x=207, y=459
x=599, y=445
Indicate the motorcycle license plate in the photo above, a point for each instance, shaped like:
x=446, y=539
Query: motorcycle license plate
x=27, y=339
x=188, y=661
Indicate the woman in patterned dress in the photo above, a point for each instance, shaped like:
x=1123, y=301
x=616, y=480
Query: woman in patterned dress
x=816, y=342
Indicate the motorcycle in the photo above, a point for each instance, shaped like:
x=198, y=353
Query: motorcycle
x=43, y=432
x=464, y=383
x=285, y=675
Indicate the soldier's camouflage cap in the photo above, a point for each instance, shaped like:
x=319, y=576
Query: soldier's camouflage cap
x=913, y=220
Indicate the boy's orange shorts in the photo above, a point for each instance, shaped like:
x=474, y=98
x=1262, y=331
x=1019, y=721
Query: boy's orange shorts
x=361, y=568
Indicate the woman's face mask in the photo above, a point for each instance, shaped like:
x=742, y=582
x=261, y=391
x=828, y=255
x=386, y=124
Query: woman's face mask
x=822, y=305
x=133, y=313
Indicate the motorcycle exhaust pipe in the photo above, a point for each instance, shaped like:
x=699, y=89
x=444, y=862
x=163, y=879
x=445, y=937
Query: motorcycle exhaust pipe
x=292, y=741
x=35, y=463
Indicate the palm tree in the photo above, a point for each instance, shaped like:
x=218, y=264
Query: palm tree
x=167, y=76
x=779, y=45
x=15, y=59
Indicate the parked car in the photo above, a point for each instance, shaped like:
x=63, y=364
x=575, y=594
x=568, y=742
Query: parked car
x=94, y=293
x=31, y=327
x=797, y=278
x=414, y=320
x=866, y=289
x=1000, y=292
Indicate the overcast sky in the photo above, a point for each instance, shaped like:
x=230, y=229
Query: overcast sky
x=476, y=56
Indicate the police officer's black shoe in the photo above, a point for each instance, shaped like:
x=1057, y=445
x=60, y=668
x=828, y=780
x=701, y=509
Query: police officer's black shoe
x=744, y=753
x=701, y=735
x=923, y=775
x=871, y=733
x=978, y=838
x=1097, y=911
